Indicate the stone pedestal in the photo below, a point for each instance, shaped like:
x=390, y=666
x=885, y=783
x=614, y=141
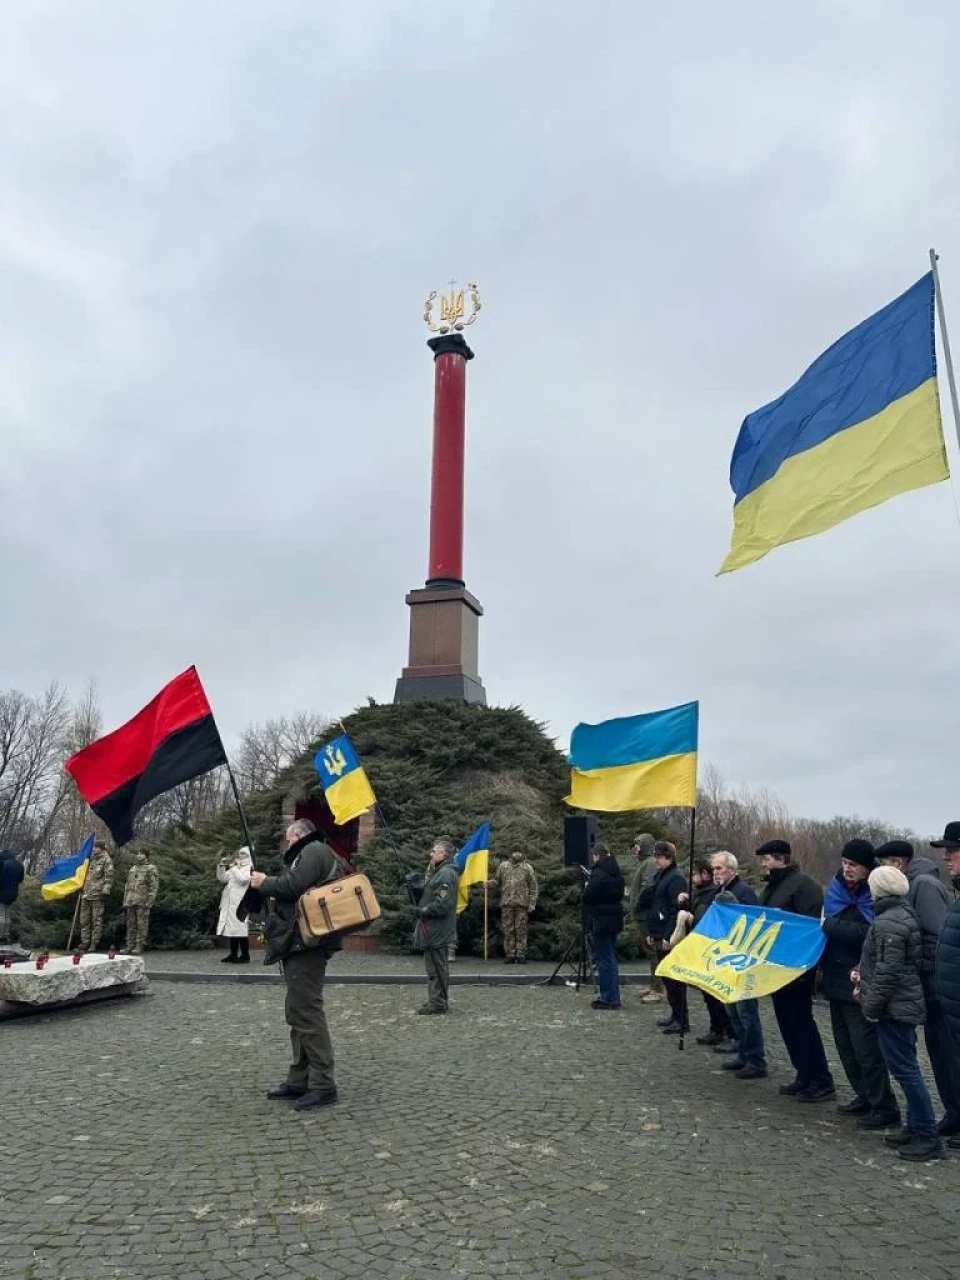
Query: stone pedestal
x=443, y=662
x=61, y=984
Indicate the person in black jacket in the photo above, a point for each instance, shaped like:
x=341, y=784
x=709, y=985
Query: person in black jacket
x=603, y=905
x=947, y=966
x=704, y=892
x=847, y=917
x=788, y=889
x=748, y=1060
x=668, y=885
x=11, y=875
x=890, y=987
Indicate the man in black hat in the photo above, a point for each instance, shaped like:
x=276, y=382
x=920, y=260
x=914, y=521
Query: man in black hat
x=947, y=980
x=788, y=889
x=847, y=916
x=930, y=901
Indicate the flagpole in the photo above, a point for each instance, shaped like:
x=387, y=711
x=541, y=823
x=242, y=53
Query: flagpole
x=485, y=900
x=693, y=845
x=944, y=338
x=73, y=925
x=243, y=817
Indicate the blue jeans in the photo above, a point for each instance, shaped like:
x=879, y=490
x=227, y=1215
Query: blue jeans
x=898, y=1044
x=745, y=1016
x=608, y=971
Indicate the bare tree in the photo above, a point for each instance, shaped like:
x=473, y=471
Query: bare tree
x=267, y=749
x=32, y=737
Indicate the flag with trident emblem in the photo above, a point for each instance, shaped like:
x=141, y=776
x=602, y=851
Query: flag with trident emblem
x=739, y=953
x=345, y=784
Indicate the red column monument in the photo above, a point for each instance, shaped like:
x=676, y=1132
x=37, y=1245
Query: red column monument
x=444, y=616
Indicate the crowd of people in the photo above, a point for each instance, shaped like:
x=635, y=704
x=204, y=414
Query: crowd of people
x=890, y=964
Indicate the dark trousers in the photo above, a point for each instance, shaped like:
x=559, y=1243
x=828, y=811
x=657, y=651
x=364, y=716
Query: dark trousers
x=748, y=1031
x=608, y=971
x=720, y=1023
x=312, y=1065
x=898, y=1043
x=437, y=964
x=676, y=992
x=944, y=1059
x=859, y=1050
x=793, y=1006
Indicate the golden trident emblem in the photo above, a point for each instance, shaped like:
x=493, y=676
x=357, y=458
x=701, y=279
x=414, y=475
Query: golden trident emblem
x=452, y=305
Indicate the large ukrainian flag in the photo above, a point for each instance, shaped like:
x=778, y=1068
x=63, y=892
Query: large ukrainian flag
x=860, y=426
x=740, y=953
x=67, y=875
x=345, y=784
x=638, y=762
x=473, y=863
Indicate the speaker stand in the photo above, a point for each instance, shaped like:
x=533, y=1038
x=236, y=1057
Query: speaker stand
x=577, y=958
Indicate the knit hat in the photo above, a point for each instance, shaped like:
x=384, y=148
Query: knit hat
x=645, y=842
x=888, y=882
x=860, y=852
x=776, y=849
x=894, y=849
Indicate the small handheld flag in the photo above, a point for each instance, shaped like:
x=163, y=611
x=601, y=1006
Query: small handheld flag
x=860, y=426
x=173, y=739
x=473, y=863
x=345, y=784
x=740, y=953
x=637, y=762
x=67, y=875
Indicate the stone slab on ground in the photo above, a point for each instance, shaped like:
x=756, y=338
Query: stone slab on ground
x=523, y=1135
x=61, y=983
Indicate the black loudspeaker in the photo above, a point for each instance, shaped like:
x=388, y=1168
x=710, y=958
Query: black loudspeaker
x=579, y=837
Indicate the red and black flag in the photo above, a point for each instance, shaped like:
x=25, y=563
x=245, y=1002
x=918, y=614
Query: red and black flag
x=172, y=740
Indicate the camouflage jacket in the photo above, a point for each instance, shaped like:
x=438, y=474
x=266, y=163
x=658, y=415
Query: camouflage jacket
x=99, y=880
x=517, y=882
x=142, y=884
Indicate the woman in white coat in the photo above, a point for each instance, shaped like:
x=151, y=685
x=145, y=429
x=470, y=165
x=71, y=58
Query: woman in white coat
x=234, y=874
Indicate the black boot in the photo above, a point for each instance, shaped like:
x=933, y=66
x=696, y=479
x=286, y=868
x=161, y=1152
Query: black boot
x=232, y=957
x=244, y=957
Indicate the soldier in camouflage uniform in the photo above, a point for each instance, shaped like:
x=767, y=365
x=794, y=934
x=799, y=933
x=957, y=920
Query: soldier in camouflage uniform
x=139, y=895
x=436, y=925
x=517, y=882
x=93, y=896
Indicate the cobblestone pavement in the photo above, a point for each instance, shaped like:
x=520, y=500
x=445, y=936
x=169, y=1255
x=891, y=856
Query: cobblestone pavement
x=524, y=1135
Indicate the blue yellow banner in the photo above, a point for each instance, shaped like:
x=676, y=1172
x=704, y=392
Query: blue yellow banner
x=636, y=762
x=740, y=953
x=860, y=426
x=345, y=784
x=473, y=863
x=67, y=875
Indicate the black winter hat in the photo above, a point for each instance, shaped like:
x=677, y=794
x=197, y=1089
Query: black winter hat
x=861, y=852
x=776, y=848
x=951, y=837
x=894, y=849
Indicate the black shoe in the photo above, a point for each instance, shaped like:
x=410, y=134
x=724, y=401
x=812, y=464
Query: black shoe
x=712, y=1037
x=735, y=1065
x=954, y=1143
x=316, y=1098
x=429, y=1009
x=879, y=1120
x=244, y=959
x=796, y=1086
x=602, y=1004
x=675, y=1029
x=858, y=1107
x=666, y=1022
x=521, y=960
x=899, y=1139
x=230, y=959
x=750, y=1073
x=921, y=1149
x=948, y=1127
x=286, y=1091
x=726, y=1048
x=509, y=959
x=817, y=1093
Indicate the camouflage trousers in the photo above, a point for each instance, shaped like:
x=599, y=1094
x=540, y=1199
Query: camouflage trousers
x=138, y=925
x=91, y=923
x=513, y=924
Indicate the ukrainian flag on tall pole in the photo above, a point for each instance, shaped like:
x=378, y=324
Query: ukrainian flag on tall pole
x=637, y=762
x=67, y=875
x=860, y=426
x=473, y=863
x=345, y=784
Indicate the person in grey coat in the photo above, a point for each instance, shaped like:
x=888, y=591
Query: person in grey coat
x=436, y=926
x=890, y=989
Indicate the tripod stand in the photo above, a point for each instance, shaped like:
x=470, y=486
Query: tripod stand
x=578, y=957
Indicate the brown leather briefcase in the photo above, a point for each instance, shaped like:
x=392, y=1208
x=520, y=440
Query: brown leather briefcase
x=340, y=906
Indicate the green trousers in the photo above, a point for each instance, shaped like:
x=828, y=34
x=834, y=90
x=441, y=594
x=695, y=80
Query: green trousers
x=437, y=964
x=312, y=1065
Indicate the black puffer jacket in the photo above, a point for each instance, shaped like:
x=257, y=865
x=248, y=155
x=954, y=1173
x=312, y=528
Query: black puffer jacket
x=667, y=888
x=789, y=889
x=603, y=898
x=891, y=989
x=948, y=971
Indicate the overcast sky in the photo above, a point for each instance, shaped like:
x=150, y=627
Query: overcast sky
x=218, y=226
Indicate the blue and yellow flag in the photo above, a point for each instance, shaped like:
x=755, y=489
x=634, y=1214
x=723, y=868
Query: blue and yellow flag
x=67, y=875
x=739, y=953
x=639, y=762
x=473, y=863
x=860, y=426
x=345, y=785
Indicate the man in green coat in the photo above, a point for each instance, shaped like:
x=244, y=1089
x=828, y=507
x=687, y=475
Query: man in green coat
x=437, y=925
x=308, y=861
